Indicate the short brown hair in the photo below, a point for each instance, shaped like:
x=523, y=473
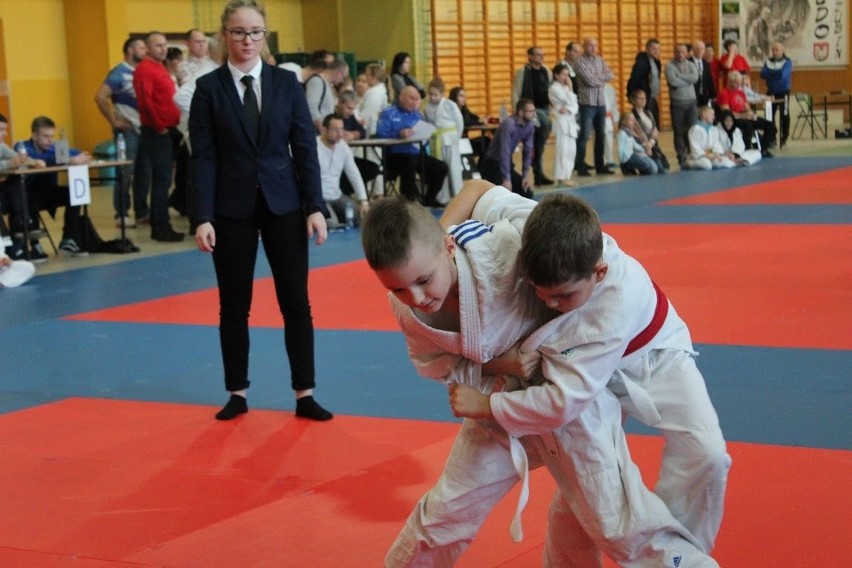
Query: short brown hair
x=562, y=241
x=390, y=228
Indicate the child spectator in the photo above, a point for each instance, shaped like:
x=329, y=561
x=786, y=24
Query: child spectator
x=632, y=155
x=732, y=141
x=566, y=108
x=461, y=303
x=449, y=125
x=706, y=151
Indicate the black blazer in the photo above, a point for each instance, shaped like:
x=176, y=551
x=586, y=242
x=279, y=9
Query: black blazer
x=228, y=166
x=640, y=75
x=704, y=88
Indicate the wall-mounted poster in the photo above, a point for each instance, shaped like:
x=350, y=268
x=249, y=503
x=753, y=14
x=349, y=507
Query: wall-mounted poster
x=815, y=33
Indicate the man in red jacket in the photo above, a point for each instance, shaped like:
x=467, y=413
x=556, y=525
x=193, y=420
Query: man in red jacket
x=159, y=115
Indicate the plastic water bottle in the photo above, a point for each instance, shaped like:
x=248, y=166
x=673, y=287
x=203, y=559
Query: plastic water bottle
x=350, y=215
x=120, y=147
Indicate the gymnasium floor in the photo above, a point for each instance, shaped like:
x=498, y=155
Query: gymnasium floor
x=111, y=375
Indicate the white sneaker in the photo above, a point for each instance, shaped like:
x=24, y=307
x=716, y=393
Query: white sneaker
x=70, y=248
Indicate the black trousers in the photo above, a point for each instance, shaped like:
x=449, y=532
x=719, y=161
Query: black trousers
x=42, y=196
x=407, y=166
x=784, y=108
x=285, y=243
x=368, y=171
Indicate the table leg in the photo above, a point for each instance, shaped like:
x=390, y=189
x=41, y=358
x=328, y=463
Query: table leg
x=25, y=214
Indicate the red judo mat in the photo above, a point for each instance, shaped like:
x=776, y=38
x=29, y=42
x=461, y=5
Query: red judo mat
x=833, y=187
x=90, y=482
x=755, y=285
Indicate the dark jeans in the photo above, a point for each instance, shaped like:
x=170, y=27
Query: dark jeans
x=285, y=243
x=42, y=196
x=131, y=140
x=542, y=133
x=490, y=171
x=784, y=108
x=591, y=117
x=407, y=166
x=154, y=170
x=368, y=170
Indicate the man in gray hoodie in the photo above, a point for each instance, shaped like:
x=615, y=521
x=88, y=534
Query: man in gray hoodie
x=681, y=75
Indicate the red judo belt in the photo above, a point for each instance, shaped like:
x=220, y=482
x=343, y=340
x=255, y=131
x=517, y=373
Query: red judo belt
x=646, y=335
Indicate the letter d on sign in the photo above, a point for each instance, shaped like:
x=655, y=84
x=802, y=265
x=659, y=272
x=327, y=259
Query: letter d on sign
x=78, y=185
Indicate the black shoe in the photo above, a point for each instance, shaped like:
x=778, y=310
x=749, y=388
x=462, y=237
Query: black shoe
x=588, y=166
x=605, y=171
x=166, y=235
x=584, y=172
x=544, y=181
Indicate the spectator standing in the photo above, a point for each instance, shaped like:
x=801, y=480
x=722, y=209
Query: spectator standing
x=116, y=100
x=777, y=71
x=645, y=75
x=158, y=115
x=320, y=91
x=255, y=172
x=449, y=126
x=705, y=87
x=401, y=76
x=730, y=60
x=532, y=81
x=197, y=61
x=681, y=76
x=592, y=74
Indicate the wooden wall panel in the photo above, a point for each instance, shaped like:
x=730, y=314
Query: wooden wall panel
x=481, y=43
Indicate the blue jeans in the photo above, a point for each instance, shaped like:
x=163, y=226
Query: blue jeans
x=591, y=116
x=131, y=140
x=640, y=163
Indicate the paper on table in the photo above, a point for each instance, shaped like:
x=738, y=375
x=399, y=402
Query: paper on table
x=422, y=129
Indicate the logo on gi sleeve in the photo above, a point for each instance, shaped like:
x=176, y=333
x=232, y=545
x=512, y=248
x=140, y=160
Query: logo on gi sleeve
x=676, y=560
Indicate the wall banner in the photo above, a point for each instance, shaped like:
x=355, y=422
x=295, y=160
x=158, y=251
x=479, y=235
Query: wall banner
x=815, y=33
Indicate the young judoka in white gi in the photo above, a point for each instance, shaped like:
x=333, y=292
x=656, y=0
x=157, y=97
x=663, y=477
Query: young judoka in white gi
x=566, y=108
x=706, y=151
x=607, y=301
x=460, y=307
x=444, y=145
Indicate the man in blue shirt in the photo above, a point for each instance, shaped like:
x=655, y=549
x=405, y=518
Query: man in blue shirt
x=397, y=121
x=778, y=74
x=44, y=191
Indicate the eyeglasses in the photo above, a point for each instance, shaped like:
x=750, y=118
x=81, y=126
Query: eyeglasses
x=240, y=35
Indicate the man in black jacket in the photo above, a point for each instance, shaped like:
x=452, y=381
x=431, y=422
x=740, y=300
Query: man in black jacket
x=705, y=90
x=645, y=75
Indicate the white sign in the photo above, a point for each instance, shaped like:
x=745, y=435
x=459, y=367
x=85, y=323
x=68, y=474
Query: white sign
x=815, y=33
x=79, y=189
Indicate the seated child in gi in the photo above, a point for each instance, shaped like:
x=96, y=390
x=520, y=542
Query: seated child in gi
x=705, y=144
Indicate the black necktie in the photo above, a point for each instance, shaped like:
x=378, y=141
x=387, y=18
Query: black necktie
x=250, y=104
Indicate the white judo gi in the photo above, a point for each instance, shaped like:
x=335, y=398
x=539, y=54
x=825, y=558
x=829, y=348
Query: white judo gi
x=449, y=125
x=706, y=151
x=602, y=501
x=737, y=146
x=566, y=128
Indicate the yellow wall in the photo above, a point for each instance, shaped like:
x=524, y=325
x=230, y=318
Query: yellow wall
x=58, y=73
x=36, y=67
